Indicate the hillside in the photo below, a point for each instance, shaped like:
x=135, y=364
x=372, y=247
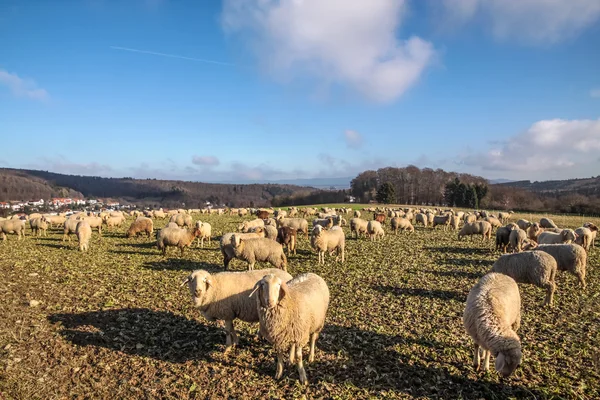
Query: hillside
x=17, y=184
x=585, y=186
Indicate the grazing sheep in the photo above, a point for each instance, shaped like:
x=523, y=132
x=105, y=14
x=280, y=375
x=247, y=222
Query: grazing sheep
x=358, y=226
x=482, y=228
x=503, y=237
x=160, y=214
x=454, y=222
x=247, y=226
x=328, y=241
x=70, y=227
x=140, y=225
x=443, y=220
x=95, y=223
x=242, y=212
x=55, y=220
x=593, y=233
x=569, y=257
x=534, y=231
x=182, y=220
x=375, y=230
x=379, y=217
x=504, y=216
x=111, y=221
x=324, y=222
x=586, y=236
x=227, y=248
x=565, y=236
x=287, y=237
x=300, y=224
x=84, y=233
x=39, y=226
x=176, y=237
x=259, y=249
x=523, y=224
x=517, y=239
x=421, y=218
x=401, y=223
x=225, y=296
x=291, y=315
x=15, y=226
x=269, y=231
x=492, y=317
x=547, y=223
x=469, y=218
x=495, y=222
x=205, y=232
x=534, y=267
x=356, y=214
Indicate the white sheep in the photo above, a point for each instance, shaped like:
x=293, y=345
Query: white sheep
x=482, y=228
x=327, y=241
x=291, y=315
x=358, y=226
x=324, y=222
x=492, y=317
x=517, y=239
x=182, y=220
x=84, y=234
x=375, y=230
x=15, y=226
x=39, y=226
x=205, y=232
x=177, y=237
x=300, y=224
x=565, y=236
x=225, y=296
x=227, y=248
x=443, y=220
x=533, y=267
x=247, y=226
x=259, y=249
x=523, y=224
x=70, y=227
x=421, y=218
x=398, y=223
x=547, y=223
x=569, y=257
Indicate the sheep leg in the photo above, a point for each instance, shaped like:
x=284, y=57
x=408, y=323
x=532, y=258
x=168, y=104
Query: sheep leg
x=231, y=338
x=292, y=359
x=550, y=287
x=279, y=371
x=581, y=278
x=300, y=365
x=486, y=360
x=313, y=340
x=476, y=358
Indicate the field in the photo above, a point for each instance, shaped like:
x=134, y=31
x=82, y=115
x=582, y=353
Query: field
x=114, y=323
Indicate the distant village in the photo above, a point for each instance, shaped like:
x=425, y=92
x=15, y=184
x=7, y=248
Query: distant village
x=57, y=203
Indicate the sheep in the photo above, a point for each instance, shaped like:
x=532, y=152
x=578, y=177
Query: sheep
x=242, y=212
x=55, y=220
x=323, y=241
x=401, y=223
x=140, y=225
x=358, y=226
x=590, y=231
x=205, y=232
x=566, y=236
x=379, y=217
x=375, y=230
x=504, y=216
x=356, y=214
x=293, y=212
x=492, y=318
x=281, y=213
x=287, y=237
x=338, y=220
x=454, y=222
x=159, y=214
x=534, y=267
x=84, y=233
x=421, y=218
x=534, y=231
x=517, y=238
x=495, y=222
x=324, y=222
x=300, y=224
x=70, y=226
x=176, y=237
x=225, y=296
x=547, y=223
x=111, y=221
x=246, y=226
x=523, y=224
x=95, y=222
x=443, y=220
x=482, y=228
x=469, y=218
x=39, y=226
x=291, y=315
x=503, y=237
x=268, y=231
x=182, y=220
x=569, y=257
x=430, y=217
x=227, y=248
x=594, y=230
x=15, y=226
x=259, y=249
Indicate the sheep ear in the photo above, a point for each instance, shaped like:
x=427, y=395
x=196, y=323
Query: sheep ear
x=186, y=281
x=208, y=282
x=256, y=287
x=283, y=291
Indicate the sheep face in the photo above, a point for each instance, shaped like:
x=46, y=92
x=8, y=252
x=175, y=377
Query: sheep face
x=198, y=283
x=271, y=290
x=507, y=361
x=568, y=235
x=317, y=230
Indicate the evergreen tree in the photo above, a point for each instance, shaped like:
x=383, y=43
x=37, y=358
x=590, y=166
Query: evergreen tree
x=386, y=193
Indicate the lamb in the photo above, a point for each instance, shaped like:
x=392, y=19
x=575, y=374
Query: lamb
x=324, y=222
x=375, y=230
x=205, y=232
x=225, y=296
x=547, y=223
x=421, y=218
x=534, y=267
x=227, y=248
x=566, y=236
x=328, y=241
x=84, y=233
x=443, y=220
x=140, y=225
x=358, y=226
x=246, y=226
x=287, y=237
x=401, y=223
x=517, y=239
x=569, y=257
x=39, y=226
x=182, y=220
x=259, y=249
x=15, y=226
x=482, y=228
x=300, y=224
x=291, y=315
x=176, y=237
x=492, y=317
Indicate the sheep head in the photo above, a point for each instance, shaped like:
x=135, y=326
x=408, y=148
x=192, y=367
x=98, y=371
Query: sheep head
x=271, y=290
x=508, y=360
x=199, y=282
x=590, y=226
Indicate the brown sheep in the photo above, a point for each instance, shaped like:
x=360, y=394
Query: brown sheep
x=288, y=237
x=379, y=217
x=140, y=225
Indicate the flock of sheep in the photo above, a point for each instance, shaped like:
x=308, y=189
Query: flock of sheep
x=291, y=311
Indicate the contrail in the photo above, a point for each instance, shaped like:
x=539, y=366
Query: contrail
x=154, y=53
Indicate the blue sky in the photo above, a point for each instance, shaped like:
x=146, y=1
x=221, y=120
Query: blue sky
x=245, y=90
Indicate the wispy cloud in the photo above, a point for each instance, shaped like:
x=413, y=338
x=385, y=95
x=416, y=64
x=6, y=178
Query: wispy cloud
x=21, y=87
x=205, y=160
x=353, y=139
x=595, y=93
x=154, y=53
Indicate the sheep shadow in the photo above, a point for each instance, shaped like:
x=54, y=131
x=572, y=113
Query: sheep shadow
x=66, y=245
x=160, y=335
x=133, y=252
x=145, y=245
x=427, y=293
x=370, y=360
x=457, y=274
x=180, y=264
x=468, y=261
x=461, y=250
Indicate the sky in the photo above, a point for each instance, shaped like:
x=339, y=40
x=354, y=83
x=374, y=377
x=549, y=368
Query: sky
x=256, y=90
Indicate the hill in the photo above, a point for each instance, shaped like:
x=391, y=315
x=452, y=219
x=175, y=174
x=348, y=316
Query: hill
x=584, y=186
x=19, y=184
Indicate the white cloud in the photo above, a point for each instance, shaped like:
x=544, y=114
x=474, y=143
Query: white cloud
x=353, y=139
x=22, y=87
x=533, y=21
x=595, y=93
x=548, y=149
x=335, y=42
x=205, y=160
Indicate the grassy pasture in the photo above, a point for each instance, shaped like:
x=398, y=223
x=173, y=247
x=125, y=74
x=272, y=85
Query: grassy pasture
x=114, y=323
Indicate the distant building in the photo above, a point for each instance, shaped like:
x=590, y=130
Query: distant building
x=61, y=201
x=4, y=204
